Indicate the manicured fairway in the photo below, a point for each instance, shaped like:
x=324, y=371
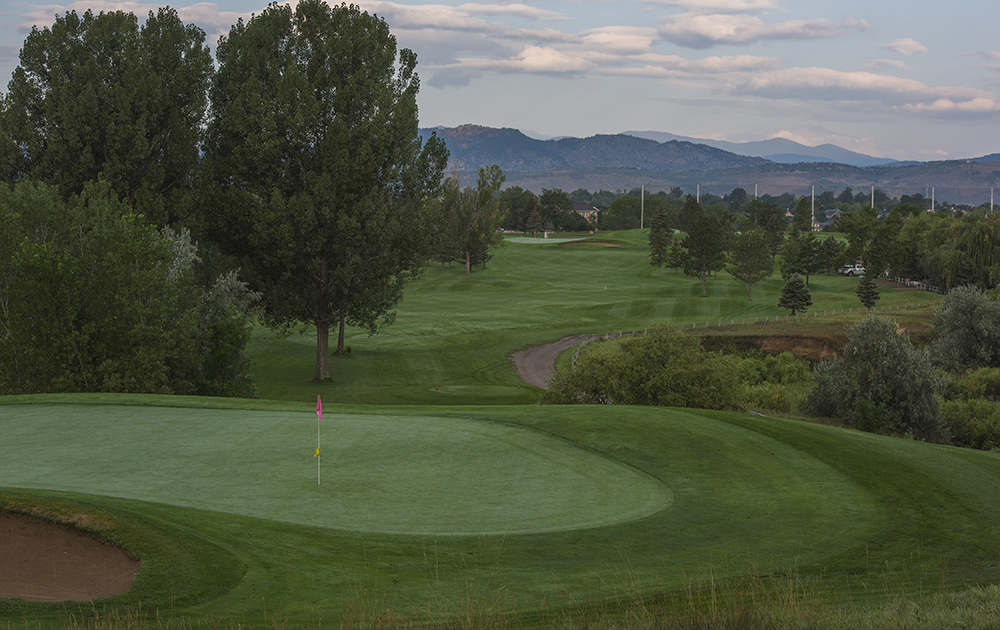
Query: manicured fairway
x=453, y=335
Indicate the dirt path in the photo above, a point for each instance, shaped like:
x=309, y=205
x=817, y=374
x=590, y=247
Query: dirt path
x=45, y=562
x=536, y=366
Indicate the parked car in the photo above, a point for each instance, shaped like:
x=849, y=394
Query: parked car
x=856, y=269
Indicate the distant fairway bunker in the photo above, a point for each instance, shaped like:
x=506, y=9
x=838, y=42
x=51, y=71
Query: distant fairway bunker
x=380, y=473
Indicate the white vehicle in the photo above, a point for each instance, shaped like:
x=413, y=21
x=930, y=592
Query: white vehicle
x=856, y=269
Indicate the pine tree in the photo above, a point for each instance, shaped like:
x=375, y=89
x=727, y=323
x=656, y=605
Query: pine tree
x=795, y=294
x=867, y=292
x=750, y=261
x=659, y=238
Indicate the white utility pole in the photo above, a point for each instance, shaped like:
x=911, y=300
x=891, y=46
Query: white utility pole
x=873, y=197
x=812, y=219
x=642, y=206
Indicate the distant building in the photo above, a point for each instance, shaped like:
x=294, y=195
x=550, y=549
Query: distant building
x=585, y=210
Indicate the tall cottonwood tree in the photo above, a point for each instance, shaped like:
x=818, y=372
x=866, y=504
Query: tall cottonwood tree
x=313, y=143
x=99, y=96
x=474, y=214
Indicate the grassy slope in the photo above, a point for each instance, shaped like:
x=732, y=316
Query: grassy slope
x=854, y=515
x=455, y=333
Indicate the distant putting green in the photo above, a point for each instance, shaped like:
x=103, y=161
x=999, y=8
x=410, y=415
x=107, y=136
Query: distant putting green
x=388, y=474
x=540, y=240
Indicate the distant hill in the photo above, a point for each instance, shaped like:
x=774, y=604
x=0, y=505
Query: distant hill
x=614, y=162
x=777, y=150
x=965, y=182
x=473, y=146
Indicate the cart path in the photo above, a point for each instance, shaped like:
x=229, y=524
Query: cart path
x=536, y=366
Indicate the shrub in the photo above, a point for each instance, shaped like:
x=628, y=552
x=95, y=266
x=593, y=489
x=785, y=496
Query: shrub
x=670, y=368
x=663, y=367
x=972, y=409
x=968, y=328
x=883, y=384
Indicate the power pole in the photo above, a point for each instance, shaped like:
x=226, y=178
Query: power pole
x=642, y=206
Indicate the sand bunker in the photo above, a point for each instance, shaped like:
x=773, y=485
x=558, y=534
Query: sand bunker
x=46, y=562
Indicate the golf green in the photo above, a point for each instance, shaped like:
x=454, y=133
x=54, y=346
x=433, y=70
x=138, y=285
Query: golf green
x=389, y=474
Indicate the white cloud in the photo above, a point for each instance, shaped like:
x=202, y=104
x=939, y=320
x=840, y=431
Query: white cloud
x=703, y=31
x=711, y=65
x=886, y=64
x=904, y=47
x=753, y=7
x=863, y=89
x=990, y=55
x=515, y=10
x=621, y=38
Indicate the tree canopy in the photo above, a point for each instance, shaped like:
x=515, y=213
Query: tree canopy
x=313, y=143
x=94, y=299
x=749, y=259
x=99, y=96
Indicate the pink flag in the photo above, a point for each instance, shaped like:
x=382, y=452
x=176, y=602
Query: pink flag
x=319, y=407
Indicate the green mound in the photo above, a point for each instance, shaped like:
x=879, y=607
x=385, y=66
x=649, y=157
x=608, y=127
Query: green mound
x=389, y=474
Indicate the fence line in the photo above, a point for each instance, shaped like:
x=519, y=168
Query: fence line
x=758, y=320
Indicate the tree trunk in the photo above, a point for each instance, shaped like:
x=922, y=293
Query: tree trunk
x=704, y=291
x=322, y=349
x=322, y=328
x=750, y=294
x=468, y=263
x=340, y=335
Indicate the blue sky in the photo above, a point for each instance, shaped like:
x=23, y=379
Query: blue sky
x=910, y=79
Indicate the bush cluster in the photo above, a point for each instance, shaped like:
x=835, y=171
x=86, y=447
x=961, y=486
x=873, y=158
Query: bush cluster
x=667, y=367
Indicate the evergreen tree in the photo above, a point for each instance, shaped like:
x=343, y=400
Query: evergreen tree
x=705, y=246
x=795, y=294
x=689, y=214
x=867, y=292
x=533, y=220
x=802, y=221
x=659, y=237
x=831, y=253
x=676, y=254
x=749, y=259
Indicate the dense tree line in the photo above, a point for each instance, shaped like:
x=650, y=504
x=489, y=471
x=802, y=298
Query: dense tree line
x=93, y=298
x=297, y=161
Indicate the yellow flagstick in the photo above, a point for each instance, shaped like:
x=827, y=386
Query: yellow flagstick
x=319, y=416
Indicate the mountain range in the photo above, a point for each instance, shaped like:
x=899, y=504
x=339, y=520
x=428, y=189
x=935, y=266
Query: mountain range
x=660, y=161
x=778, y=150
